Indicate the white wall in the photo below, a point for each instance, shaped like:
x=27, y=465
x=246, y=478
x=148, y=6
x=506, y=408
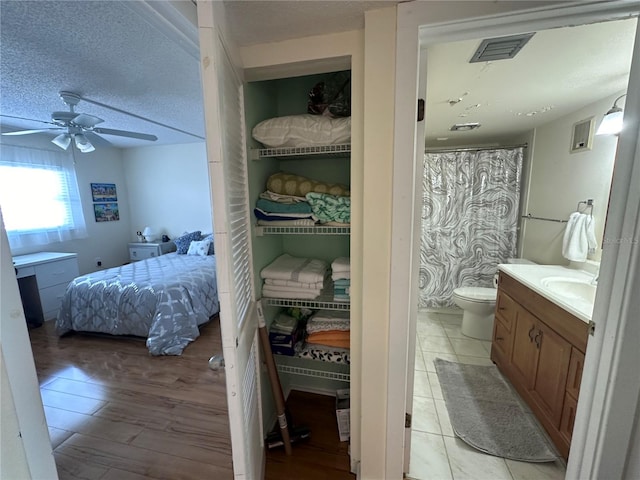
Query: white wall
x=107, y=240
x=168, y=189
x=560, y=179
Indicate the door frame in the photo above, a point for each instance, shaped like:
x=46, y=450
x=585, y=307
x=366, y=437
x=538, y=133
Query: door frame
x=602, y=418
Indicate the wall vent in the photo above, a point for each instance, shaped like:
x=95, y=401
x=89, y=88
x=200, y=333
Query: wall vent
x=582, y=135
x=463, y=127
x=500, y=48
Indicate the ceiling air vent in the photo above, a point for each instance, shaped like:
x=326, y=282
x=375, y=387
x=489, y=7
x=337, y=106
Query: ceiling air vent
x=500, y=48
x=464, y=127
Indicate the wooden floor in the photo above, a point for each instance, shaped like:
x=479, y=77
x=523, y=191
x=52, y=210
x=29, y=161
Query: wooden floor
x=116, y=412
x=322, y=456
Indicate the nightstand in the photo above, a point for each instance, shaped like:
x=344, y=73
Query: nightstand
x=140, y=251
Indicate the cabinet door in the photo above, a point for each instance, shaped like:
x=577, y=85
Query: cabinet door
x=575, y=372
x=502, y=342
x=568, y=417
x=548, y=390
x=524, y=357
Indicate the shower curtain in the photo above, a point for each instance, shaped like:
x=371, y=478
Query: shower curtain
x=469, y=220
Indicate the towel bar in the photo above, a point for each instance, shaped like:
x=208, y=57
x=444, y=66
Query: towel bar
x=531, y=217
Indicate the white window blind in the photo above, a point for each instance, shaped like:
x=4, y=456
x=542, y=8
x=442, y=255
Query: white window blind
x=39, y=197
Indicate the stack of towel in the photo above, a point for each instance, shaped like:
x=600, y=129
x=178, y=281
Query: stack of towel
x=341, y=276
x=330, y=328
x=579, y=237
x=293, y=277
x=275, y=209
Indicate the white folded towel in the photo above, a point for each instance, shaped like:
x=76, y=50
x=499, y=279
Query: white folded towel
x=579, y=237
x=304, y=270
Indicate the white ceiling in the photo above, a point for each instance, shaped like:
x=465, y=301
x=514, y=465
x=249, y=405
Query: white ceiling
x=126, y=55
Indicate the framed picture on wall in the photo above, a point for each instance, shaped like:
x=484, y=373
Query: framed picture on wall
x=106, y=212
x=104, y=192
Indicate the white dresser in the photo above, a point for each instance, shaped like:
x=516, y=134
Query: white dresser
x=43, y=278
x=140, y=251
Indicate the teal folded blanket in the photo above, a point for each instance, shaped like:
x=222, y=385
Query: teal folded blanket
x=275, y=207
x=330, y=208
x=343, y=282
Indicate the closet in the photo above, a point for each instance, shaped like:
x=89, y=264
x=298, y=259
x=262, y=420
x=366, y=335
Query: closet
x=326, y=163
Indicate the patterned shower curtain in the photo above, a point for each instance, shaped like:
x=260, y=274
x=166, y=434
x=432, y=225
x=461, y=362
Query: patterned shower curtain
x=469, y=220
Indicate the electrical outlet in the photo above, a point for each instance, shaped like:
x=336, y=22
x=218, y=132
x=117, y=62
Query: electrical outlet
x=98, y=262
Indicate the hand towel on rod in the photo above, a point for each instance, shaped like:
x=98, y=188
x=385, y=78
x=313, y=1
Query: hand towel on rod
x=579, y=237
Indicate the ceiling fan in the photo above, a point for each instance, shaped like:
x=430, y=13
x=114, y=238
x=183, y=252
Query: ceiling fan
x=79, y=127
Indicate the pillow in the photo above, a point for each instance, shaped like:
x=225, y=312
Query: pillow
x=303, y=131
x=183, y=242
x=199, y=247
x=289, y=184
x=210, y=239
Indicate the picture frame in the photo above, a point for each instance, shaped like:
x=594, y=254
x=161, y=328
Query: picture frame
x=104, y=192
x=106, y=212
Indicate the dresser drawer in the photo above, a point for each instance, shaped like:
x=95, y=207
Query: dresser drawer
x=140, y=253
x=22, y=272
x=54, y=273
x=50, y=299
x=506, y=310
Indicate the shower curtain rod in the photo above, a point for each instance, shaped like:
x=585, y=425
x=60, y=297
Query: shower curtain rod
x=474, y=149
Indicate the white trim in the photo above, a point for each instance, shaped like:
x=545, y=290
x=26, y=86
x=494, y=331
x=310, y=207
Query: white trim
x=411, y=16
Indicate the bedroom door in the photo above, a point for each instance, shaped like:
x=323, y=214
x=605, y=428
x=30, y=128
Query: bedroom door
x=226, y=152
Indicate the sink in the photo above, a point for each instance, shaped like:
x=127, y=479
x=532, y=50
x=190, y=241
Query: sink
x=570, y=288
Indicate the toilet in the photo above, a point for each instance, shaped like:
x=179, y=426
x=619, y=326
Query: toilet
x=478, y=305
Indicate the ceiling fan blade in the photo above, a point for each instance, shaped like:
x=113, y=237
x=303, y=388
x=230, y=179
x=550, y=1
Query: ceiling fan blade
x=97, y=140
x=123, y=133
x=28, y=132
x=27, y=119
x=86, y=121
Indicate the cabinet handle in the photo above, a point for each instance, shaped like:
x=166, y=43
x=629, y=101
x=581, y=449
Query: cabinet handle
x=502, y=308
x=538, y=339
x=531, y=334
x=499, y=338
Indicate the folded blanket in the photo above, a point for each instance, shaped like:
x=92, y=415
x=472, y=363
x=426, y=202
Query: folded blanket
x=324, y=323
x=276, y=197
x=331, y=338
x=300, y=222
x=330, y=315
x=290, y=283
x=320, y=352
x=262, y=215
x=284, y=291
x=330, y=208
x=277, y=293
x=270, y=206
x=288, y=267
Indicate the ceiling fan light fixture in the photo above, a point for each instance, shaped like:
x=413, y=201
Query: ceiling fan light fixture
x=83, y=144
x=63, y=141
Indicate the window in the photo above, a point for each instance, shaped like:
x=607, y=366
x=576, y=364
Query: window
x=39, y=197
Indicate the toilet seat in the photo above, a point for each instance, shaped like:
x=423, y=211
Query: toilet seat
x=476, y=294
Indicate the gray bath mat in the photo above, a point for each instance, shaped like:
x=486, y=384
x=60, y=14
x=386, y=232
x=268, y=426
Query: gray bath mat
x=486, y=413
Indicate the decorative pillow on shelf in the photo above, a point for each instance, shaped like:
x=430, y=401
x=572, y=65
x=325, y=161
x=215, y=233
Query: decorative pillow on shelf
x=199, y=247
x=183, y=242
x=209, y=238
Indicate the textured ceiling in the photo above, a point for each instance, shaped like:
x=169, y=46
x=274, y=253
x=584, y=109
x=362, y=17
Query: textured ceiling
x=107, y=51
x=125, y=54
x=558, y=72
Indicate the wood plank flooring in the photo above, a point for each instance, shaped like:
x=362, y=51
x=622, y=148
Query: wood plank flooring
x=116, y=412
x=320, y=457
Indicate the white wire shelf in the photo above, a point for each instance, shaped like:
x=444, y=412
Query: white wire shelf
x=324, y=301
x=309, y=372
x=301, y=230
x=341, y=150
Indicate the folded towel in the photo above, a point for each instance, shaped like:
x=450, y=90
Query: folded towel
x=330, y=208
x=324, y=323
x=276, y=197
x=288, y=267
x=579, y=237
x=285, y=290
x=342, y=282
x=262, y=215
x=307, y=294
x=290, y=283
x=270, y=206
x=341, y=264
x=332, y=338
x=300, y=222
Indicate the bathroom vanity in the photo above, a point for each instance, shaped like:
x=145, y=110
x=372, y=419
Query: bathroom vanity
x=539, y=341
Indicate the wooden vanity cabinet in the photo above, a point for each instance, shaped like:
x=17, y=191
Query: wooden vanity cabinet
x=540, y=348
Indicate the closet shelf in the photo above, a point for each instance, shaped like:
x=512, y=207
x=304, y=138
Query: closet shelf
x=308, y=372
x=313, y=368
x=295, y=153
x=324, y=301
x=307, y=230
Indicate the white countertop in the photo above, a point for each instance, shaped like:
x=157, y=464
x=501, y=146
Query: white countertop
x=40, y=258
x=532, y=276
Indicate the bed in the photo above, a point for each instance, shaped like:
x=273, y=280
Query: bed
x=163, y=299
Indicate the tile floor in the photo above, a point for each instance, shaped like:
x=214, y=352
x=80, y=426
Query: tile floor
x=436, y=453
